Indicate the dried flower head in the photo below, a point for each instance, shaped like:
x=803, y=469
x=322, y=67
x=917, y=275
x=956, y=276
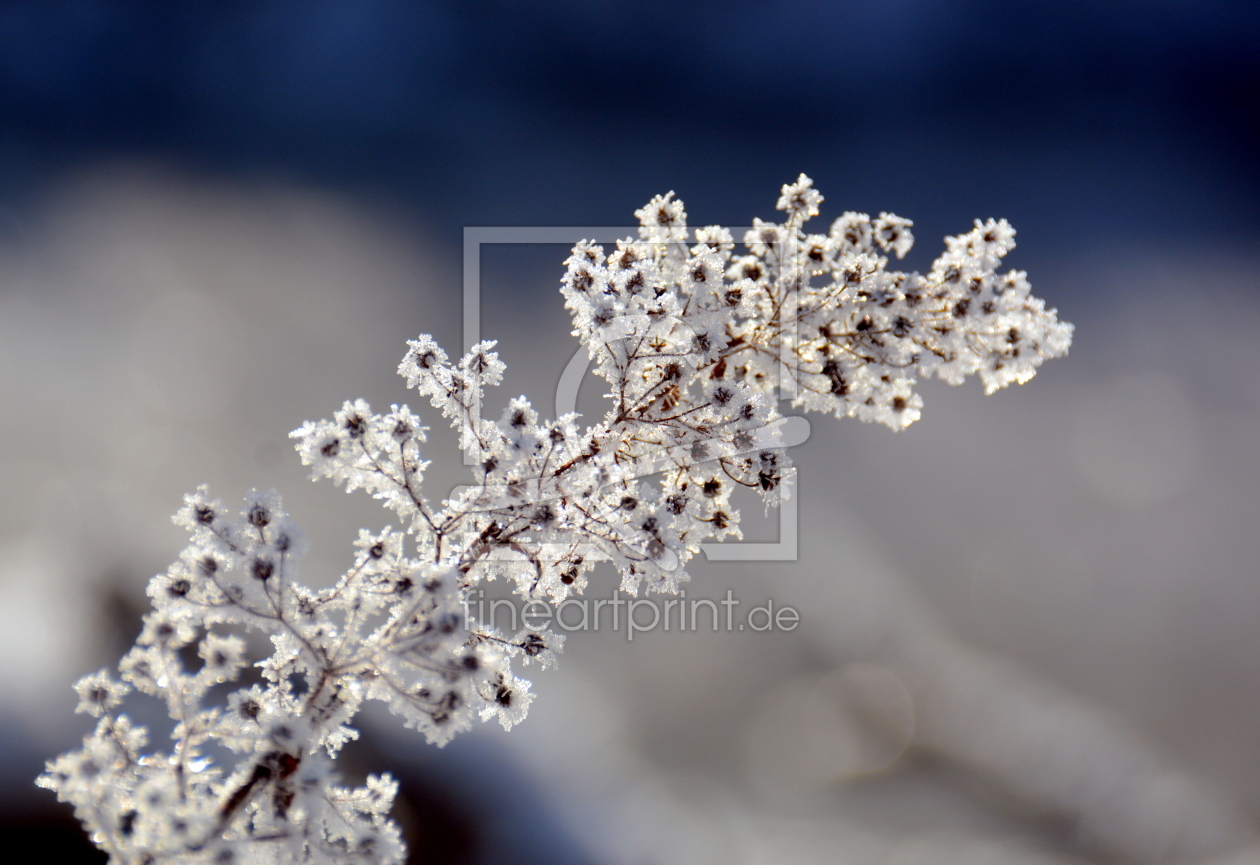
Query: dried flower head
x=695, y=343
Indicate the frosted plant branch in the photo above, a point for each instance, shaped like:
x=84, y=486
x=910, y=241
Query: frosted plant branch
x=693, y=342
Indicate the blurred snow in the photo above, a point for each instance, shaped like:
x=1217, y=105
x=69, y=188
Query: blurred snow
x=159, y=332
x=1027, y=623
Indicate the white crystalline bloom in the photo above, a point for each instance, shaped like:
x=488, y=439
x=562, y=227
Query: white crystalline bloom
x=695, y=343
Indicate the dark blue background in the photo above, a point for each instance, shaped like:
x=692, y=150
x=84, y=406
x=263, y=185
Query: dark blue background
x=1086, y=124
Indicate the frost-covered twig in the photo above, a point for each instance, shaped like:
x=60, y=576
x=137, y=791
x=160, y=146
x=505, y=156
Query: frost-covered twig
x=694, y=342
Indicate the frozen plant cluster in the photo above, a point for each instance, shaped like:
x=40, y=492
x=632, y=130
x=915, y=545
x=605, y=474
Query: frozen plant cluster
x=696, y=343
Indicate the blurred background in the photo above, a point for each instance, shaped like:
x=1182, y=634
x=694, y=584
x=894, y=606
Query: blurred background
x=1028, y=624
